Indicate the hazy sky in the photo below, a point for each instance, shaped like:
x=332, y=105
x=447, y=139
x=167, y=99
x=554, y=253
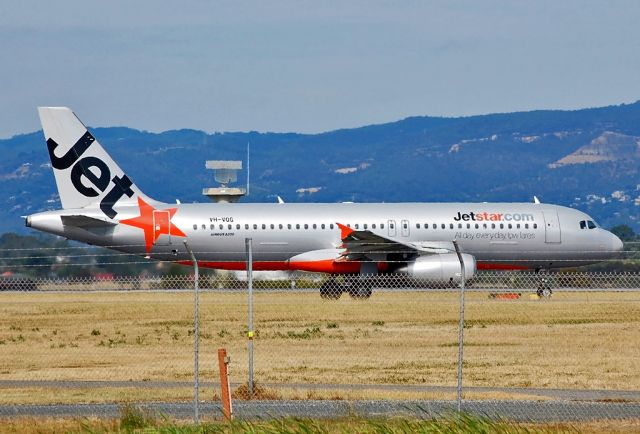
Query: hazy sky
x=309, y=66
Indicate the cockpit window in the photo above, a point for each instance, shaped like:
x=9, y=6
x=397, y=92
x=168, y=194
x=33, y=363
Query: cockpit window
x=583, y=224
x=591, y=224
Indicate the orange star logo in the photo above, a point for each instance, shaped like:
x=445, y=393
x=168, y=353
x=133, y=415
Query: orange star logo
x=154, y=223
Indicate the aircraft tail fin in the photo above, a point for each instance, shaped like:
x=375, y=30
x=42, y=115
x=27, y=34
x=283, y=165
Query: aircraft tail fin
x=85, y=174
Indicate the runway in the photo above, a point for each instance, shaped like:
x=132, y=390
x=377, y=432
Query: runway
x=535, y=411
x=553, y=404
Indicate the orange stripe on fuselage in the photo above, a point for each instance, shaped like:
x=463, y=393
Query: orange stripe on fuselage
x=324, y=266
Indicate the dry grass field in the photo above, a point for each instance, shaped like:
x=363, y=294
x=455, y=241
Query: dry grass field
x=573, y=340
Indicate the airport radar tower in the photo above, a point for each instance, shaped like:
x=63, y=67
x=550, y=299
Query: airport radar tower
x=225, y=173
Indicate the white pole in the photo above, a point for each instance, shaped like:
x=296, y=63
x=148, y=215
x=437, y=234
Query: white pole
x=196, y=338
x=250, y=294
x=461, y=325
x=248, y=144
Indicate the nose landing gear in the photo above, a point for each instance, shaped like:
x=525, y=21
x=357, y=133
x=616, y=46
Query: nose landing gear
x=544, y=285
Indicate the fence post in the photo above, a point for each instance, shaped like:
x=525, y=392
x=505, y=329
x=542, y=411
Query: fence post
x=225, y=388
x=460, y=326
x=250, y=321
x=196, y=337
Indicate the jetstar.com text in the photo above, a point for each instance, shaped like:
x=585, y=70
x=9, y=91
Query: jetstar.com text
x=493, y=217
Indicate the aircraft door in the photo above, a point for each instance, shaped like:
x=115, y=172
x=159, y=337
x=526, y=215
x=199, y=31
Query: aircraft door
x=404, y=228
x=392, y=228
x=551, y=227
x=161, y=226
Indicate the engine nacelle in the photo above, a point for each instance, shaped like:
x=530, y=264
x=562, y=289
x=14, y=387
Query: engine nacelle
x=441, y=269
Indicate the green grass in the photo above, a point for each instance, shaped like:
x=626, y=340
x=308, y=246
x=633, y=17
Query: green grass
x=135, y=419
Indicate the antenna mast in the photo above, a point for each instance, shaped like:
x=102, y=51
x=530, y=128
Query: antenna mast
x=248, y=143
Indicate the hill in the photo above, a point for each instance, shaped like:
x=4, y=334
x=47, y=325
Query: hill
x=587, y=159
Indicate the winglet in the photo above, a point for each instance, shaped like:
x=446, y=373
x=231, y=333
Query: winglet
x=345, y=230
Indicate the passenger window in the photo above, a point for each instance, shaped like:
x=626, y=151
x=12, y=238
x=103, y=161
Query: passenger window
x=459, y=225
x=493, y=225
x=381, y=225
x=526, y=225
x=212, y=227
x=221, y=227
x=468, y=225
x=510, y=226
x=297, y=225
x=443, y=226
x=535, y=225
x=583, y=224
x=288, y=225
x=405, y=225
x=417, y=225
x=357, y=226
x=306, y=226
x=229, y=226
x=280, y=226
x=331, y=226
x=365, y=226
x=450, y=225
x=391, y=225
x=273, y=226
x=591, y=224
x=322, y=226
x=195, y=227
x=484, y=225
x=255, y=226
x=501, y=225
x=204, y=227
x=264, y=226
x=518, y=226
x=315, y=226
x=434, y=226
x=373, y=226
x=246, y=226
x=477, y=225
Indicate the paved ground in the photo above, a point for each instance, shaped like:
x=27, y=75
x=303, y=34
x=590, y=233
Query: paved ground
x=564, y=404
x=547, y=411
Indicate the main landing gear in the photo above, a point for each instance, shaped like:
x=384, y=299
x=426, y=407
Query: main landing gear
x=357, y=287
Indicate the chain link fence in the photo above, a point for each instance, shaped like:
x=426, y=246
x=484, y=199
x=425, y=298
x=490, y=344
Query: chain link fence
x=537, y=346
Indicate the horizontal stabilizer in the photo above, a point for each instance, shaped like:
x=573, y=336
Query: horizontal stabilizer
x=83, y=221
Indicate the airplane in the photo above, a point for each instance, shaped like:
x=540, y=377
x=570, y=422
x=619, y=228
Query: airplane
x=102, y=206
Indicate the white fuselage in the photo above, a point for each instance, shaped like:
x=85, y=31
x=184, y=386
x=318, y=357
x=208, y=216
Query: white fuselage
x=498, y=235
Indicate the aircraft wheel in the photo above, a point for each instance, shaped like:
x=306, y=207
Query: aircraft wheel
x=544, y=292
x=360, y=288
x=330, y=290
x=360, y=293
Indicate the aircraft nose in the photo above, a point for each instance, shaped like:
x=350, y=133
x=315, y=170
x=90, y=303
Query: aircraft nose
x=616, y=244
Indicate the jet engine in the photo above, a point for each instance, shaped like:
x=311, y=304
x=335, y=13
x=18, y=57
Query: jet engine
x=440, y=269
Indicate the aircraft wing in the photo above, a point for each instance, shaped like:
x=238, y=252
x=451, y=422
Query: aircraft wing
x=365, y=244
